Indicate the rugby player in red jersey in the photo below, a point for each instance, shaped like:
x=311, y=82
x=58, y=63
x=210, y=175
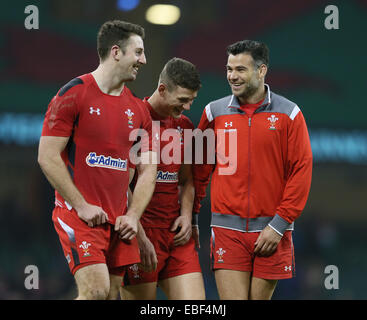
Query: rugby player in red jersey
x=84, y=151
x=167, y=247
x=255, y=206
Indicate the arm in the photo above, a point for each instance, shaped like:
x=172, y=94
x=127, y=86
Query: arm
x=127, y=225
x=183, y=223
x=298, y=175
x=202, y=170
x=54, y=168
x=298, y=183
x=148, y=255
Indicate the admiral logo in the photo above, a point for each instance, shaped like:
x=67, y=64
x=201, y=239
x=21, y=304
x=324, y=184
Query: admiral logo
x=167, y=176
x=103, y=161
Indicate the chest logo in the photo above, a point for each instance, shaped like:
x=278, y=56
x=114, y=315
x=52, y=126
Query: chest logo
x=102, y=161
x=96, y=110
x=129, y=114
x=167, y=177
x=228, y=124
x=272, y=121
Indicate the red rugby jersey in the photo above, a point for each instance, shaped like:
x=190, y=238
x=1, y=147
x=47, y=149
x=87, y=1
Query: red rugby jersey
x=99, y=126
x=164, y=206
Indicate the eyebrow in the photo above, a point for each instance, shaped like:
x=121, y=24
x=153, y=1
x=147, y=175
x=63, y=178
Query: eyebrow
x=237, y=67
x=183, y=99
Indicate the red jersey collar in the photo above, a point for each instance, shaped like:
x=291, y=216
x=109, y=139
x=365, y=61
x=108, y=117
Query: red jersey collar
x=153, y=113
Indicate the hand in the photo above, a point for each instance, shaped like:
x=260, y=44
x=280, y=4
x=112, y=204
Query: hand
x=148, y=255
x=183, y=224
x=126, y=226
x=195, y=235
x=92, y=215
x=267, y=242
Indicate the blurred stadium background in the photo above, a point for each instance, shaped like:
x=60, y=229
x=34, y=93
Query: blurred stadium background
x=322, y=70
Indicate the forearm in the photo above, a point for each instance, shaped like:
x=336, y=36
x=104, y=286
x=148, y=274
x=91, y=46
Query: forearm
x=299, y=176
x=143, y=191
x=296, y=191
x=141, y=235
x=201, y=176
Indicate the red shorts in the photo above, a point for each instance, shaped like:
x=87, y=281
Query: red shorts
x=172, y=260
x=234, y=250
x=83, y=245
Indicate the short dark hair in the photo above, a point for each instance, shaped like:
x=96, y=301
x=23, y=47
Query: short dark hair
x=258, y=51
x=116, y=32
x=180, y=72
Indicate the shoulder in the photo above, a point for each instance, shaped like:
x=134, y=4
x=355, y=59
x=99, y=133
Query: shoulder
x=220, y=103
x=283, y=105
x=130, y=95
x=133, y=99
x=218, y=107
x=73, y=86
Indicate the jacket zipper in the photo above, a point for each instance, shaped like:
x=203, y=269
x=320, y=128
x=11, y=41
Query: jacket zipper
x=249, y=167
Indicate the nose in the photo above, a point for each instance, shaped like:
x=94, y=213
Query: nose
x=142, y=59
x=187, y=106
x=232, y=75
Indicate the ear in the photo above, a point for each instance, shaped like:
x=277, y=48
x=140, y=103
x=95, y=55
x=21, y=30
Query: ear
x=263, y=69
x=162, y=88
x=115, y=52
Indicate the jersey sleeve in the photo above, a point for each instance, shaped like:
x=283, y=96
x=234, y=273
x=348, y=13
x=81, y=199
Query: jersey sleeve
x=202, y=171
x=299, y=174
x=62, y=111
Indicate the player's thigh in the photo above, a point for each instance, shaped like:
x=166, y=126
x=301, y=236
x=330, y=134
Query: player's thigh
x=93, y=281
x=262, y=289
x=232, y=284
x=143, y=291
x=189, y=286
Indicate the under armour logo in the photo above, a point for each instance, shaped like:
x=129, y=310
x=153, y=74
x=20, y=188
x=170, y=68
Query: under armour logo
x=228, y=124
x=287, y=268
x=92, y=110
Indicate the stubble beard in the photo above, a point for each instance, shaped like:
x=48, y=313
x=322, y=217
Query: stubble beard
x=248, y=92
